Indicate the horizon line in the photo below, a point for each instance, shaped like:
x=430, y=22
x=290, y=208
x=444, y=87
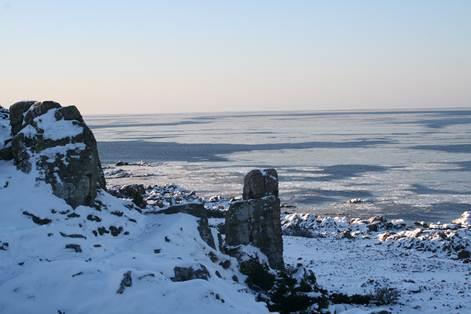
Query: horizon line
x=267, y=111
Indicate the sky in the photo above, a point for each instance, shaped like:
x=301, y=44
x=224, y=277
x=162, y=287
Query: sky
x=116, y=56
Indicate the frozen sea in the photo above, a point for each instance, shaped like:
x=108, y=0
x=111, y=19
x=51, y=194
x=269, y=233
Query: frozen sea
x=414, y=165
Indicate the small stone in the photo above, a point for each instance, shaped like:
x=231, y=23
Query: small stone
x=464, y=254
x=75, y=247
x=126, y=282
x=93, y=218
x=189, y=273
x=225, y=264
x=37, y=220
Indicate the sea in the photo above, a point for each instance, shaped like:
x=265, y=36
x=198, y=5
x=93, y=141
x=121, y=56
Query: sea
x=408, y=164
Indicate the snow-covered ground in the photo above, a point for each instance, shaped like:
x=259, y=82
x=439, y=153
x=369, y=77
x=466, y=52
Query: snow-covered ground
x=58, y=260
x=430, y=274
x=425, y=284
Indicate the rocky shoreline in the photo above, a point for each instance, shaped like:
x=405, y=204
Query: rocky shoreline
x=65, y=235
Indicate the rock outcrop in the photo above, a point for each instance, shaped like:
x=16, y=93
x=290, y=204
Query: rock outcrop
x=256, y=220
x=260, y=183
x=55, y=141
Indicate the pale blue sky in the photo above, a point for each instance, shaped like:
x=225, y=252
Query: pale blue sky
x=187, y=56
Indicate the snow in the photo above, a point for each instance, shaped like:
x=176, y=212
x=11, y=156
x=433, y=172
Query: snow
x=425, y=284
x=52, y=152
x=422, y=262
x=57, y=129
x=28, y=131
x=39, y=275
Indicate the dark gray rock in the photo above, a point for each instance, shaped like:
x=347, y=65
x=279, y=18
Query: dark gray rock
x=190, y=273
x=256, y=219
x=37, y=220
x=56, y=142
x=126, y=282
x=260, y=183
x=194, y=209
x=17, y=111
x=133, y=191
x=205, y=232
x=257, y=222
x=75, y=247
x=463, y=254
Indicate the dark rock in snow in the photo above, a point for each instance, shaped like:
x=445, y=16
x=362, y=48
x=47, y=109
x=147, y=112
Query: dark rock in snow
x=115, y=231
x=463, y=254
x=93, y=218
x=126, y=282
x=37, y=220
x=75, y=247
x=189, y=273
x=205, y=232
x=4, y=246
x=346, y=234
x=132, y=191
x=194, y=209
x=225, y=264
x=74, y=236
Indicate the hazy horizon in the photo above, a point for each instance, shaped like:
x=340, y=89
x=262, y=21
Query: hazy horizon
x=117, y=57
x=280, y=112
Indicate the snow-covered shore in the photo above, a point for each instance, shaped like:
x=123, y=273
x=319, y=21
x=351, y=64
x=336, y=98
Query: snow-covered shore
x=70, y=243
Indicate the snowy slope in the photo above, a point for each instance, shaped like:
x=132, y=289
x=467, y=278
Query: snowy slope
x=38, y=274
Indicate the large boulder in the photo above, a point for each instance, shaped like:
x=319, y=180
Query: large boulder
x=256, y=219
x=259, y=183
x=55, y=142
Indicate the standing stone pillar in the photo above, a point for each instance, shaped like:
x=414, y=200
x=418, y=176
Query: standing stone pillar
x=255, y=220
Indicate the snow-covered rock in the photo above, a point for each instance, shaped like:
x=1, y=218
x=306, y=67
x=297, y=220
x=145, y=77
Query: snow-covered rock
x=55, y=143
x=464, y=220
